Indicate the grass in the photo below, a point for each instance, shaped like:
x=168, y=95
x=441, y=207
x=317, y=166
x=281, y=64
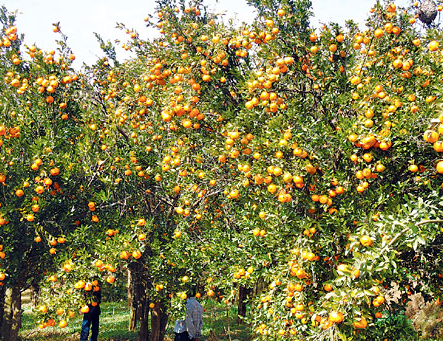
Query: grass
x=222, y=322
x=114, y=321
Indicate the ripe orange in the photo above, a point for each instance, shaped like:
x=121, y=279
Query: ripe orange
x=39, y=189
x=439, y=167
x=360, y=324
x=378, y=33
x=433, y=45
x=438, y=146
x=365, y=240
x=327, y=287
x=84, y=309
x=380, y=168
x=414, y=168
x=431, y=136
x=336, y=317
x=313, y=37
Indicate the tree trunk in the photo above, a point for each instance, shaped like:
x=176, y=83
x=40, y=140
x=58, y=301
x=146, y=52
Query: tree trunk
x=131, y=301
x=143, y=332
x=243, y=293
x=12, y=315
x=35, y=293
x=2, y=305
x=136, y=295
x=159, y=320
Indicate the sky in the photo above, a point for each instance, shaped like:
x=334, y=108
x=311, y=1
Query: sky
x=80, y=18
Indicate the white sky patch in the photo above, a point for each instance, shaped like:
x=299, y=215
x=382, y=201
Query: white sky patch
x=80, y=18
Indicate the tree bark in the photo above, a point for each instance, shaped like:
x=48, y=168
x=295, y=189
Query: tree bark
x=143, y=332
x=136, y=295
x=12, y=315
x=243, y=293
x=131, y=301
x=2, y=305
x=159, y=320
x=35, y=293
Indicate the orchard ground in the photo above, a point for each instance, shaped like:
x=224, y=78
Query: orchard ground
x=114, y=320
x=218, y=322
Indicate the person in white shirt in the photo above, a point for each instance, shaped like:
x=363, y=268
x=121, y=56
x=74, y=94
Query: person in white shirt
x=190, y=328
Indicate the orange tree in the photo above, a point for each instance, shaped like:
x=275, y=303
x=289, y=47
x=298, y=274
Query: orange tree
x=152, y=165
x=333, y=172
x=272, y=157
x=38, y=127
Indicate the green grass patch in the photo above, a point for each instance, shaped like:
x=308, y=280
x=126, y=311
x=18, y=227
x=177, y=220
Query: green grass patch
x=114, y=320
x=221, y=320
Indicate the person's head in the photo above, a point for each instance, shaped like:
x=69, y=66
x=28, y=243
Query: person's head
x=192, y=291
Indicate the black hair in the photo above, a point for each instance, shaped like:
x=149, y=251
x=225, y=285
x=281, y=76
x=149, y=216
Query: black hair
x=192, y=291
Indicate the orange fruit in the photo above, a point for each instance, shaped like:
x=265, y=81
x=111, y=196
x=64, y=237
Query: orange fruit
x=438, y=146
x=84, y=309
x=335, y=316
x=433, y=45
x=414, y=168
x=360, y=324
x=327, y=287
x=378, y=33
x=431, y=136
x=39, y=189
x=365, y=240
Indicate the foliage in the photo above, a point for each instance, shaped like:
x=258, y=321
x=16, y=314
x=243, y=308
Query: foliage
x=301, y=164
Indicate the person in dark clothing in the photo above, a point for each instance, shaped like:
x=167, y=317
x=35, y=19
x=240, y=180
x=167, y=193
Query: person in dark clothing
x=91, y=318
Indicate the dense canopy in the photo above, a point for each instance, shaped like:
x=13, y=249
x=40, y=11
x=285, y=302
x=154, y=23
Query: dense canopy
x=294, y=171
